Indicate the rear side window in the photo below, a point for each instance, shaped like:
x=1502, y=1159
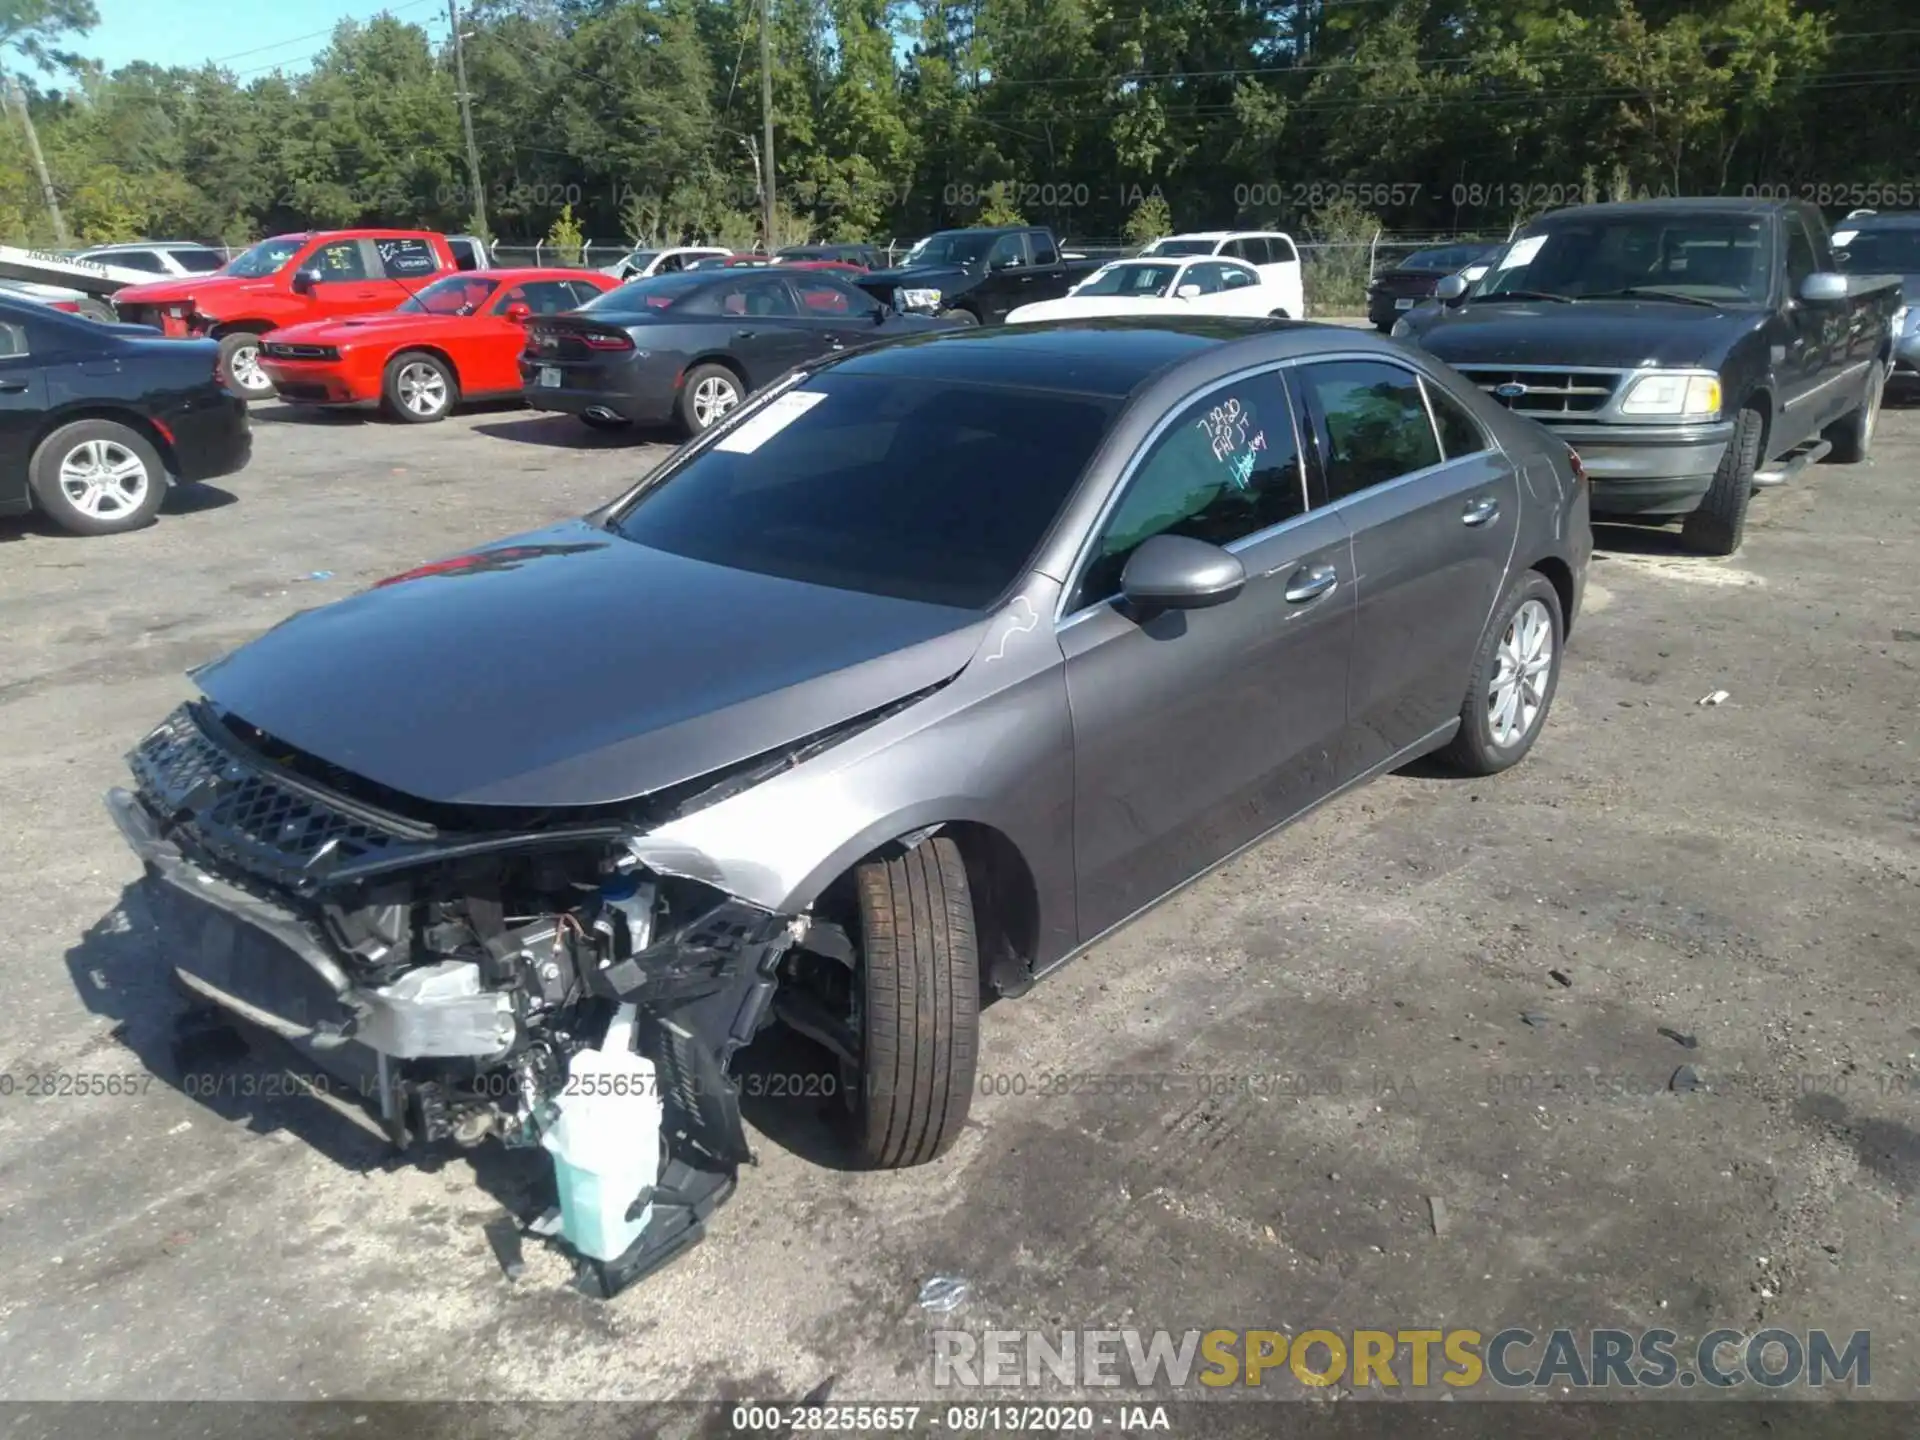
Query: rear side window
x=1043, y=251
x=129, y=260
x=1226, y=469
x=1460, y=433
x=407, y=259
x=1374, y=420
x=13, y=341
x=199, y=262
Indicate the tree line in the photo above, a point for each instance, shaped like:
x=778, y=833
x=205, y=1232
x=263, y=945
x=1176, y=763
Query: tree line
x=640, y=119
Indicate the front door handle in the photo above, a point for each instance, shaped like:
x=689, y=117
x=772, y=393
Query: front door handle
x=743, y=334
x=1479, y=512
x=1310, y=584
x=834, y=342
x=13, y=387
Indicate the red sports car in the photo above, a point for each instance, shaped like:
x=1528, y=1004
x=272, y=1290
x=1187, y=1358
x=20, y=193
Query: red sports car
x=458, y=339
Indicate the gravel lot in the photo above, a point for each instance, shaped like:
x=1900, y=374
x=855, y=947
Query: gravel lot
x=1744, y=874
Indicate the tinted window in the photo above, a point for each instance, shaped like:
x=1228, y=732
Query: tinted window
x=1227, y=469
x=1043, y=251
x=1232, y=277
x=1179, y=247
x=1239, y=250
x=465, y=254
x=656, y=292
x=1376, y=424
x=543, y=297
x=1460, y=433
x=821, y=296
x=198, y=262
x=1280, y=248
x=129, y=260
x=583, y=292
x=13, y=341
x=1008, y=251
x=923, y=490
x=266, y=257
x=1800, y=252
x=1130, y=279
x=342, y=260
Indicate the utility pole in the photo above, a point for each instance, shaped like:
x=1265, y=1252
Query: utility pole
x=766, y=111
x=466, y=123
x=19, y=101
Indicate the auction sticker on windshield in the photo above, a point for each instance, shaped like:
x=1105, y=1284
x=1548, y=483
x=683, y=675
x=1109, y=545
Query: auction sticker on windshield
x=1521, y=253
x=778, y=414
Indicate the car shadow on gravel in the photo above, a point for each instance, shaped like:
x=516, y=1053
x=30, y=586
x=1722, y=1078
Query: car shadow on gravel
x=564, y=432
x=1627, y=539
x=319, y=415
x=192, y=499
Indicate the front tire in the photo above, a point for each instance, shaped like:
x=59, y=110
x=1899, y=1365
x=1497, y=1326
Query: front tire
x=240, y=364
x=97, y=477
x=960, y=317
x=1852, y=436
x=1720, y=524
x=709, y=394
x=418, y=388
x=1513, y=681
x=918, y=999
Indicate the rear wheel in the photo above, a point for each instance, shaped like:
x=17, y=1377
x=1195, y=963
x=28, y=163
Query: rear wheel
x=240, y=364
x=418, y=388
x=1513, y=681
x=1852, y=437
x=1719, y=525
x=960, y=317
x=709, y=393
x=97, y=477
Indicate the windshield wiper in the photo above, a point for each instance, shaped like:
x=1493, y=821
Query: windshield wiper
x=1524, y=295
x=1648, y=292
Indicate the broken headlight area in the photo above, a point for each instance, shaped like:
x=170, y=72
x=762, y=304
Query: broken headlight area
x=539, y=986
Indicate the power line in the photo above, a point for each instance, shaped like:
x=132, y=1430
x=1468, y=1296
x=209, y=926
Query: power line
x=315, y=34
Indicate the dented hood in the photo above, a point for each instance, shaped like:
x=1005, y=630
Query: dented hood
x=572, y=667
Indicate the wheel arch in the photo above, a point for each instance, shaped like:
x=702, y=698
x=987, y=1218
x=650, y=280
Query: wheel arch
x=715, y=357
x=141, y=425
x=400, y=352
x=1559, y=574
x=1760, y=399
x=249, y=326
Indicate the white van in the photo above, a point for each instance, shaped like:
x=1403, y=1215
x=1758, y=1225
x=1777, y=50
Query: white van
x=1273, y=254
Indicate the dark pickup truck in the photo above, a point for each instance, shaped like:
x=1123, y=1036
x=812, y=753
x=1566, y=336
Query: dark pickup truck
x=1690, y=351
x=979, y=276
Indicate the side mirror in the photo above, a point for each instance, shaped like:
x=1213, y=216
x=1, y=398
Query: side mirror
x=1451, y=290
x=304, y=281
x=1823, y=287
x=519, y=312
x=1187, y=292
x=1173, y=572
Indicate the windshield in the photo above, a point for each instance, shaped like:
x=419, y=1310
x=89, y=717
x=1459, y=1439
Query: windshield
x=1138, y=281
x=1448, y=258
x=1886, y=250
x=1706, y=257
x=958, y=247
x=1179, y=247
x=935, y=491
x=640, y=259
x=657, y=292
x=267, y=257
x=456, y=295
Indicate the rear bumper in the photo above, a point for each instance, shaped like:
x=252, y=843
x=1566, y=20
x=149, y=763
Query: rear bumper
x=210, y=439
x=1649, y=470
x=633, y=390
x=1906, y=357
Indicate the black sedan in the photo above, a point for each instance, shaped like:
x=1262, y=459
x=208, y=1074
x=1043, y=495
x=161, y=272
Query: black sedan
x=97, y=420
x=690, y=347
x=1394, y=292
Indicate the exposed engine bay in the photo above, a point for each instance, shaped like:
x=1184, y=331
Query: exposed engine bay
x=458, y=974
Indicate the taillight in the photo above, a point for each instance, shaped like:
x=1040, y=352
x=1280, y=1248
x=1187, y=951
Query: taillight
x=69, y=306
x=613, y=341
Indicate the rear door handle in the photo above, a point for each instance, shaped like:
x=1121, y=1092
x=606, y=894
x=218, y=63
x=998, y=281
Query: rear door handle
x=1311, y=583
x=13, y=387
x=743, y=334
x=1479, y=512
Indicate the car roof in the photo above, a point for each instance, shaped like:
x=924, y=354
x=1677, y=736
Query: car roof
x=150, y=245
x=1109, y=358
x=1884, y=220
x=528, y=272
x=1221, y=235
x=1674, y=205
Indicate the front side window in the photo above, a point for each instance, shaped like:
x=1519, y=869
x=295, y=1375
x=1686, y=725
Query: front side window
x=1009, y=252
x=456, y=295
x=824, y=297
x=1211, y=279
x=1375, y=422
x=1043, y=251
x=1132, y=280
x=13, y=341
x=933, y=491
x=1235, y=277
x=340, y=260
x=1226, y=469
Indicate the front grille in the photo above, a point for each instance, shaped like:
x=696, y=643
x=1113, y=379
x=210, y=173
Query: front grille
x=1546, y=394
x=300, y=352
x=257, y=821
x=293, y=390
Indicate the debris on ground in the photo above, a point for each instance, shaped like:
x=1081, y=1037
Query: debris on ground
x=318, y=575
x=1685, y=1042
x=1560, y=977
x=504, y=1236
x=1437, y=1213
x=1718, y=697
x=943, y=1294
x=1533, y=1018
x=1686, y=1078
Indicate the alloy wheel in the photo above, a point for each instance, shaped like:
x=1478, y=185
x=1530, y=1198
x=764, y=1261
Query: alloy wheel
x=104, y=479
x=246, y=371
x=423, y=389
x=1518, y=691
x=712, y=398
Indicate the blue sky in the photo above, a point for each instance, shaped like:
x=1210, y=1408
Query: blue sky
x=246, y=38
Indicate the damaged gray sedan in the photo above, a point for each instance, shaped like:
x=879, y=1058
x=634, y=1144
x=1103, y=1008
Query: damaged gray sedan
x=908, y=682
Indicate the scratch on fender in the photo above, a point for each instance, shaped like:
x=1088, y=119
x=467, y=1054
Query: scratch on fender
x=1023, y=619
